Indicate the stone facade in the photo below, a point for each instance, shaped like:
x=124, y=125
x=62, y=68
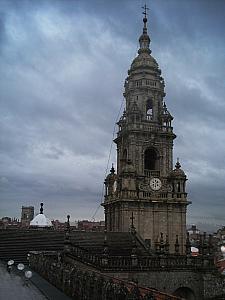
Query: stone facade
x=80, y=281
x=162, y=277
x=146, y=186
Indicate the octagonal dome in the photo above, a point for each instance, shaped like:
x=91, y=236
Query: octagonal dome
x=144, y=60
x=178, y=171
x=41, y=221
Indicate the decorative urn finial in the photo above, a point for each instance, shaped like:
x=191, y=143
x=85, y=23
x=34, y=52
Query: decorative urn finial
x=41, y=208
x=112, y=170
x=178, y=165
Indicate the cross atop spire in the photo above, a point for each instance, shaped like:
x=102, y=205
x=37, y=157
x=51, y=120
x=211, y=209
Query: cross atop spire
x=144, y=39
x=145, y=18
x=145, y=11
x=112, y=171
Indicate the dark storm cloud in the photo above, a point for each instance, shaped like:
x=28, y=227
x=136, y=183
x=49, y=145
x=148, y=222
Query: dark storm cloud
x=62, y=68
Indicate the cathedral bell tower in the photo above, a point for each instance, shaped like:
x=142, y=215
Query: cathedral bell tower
x=146, y=184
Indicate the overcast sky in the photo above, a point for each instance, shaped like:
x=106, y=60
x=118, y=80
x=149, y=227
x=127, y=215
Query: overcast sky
x=62, y=70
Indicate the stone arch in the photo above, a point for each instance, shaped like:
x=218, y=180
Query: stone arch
x=185, y=293
x=151, y=159
x=124, y=158
x=149, y=109
x=124, y=154
x=149, y=106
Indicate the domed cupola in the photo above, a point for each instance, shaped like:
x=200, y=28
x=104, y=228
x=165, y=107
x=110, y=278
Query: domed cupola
x=40, y=220
x=144, y=79
x=144, y=58
x=111, y=176
x=178, y=180
x=144, y=39
x=111, y=183
x=178, y=172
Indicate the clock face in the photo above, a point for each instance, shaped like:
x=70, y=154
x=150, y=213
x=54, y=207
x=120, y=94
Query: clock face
x=155, y=184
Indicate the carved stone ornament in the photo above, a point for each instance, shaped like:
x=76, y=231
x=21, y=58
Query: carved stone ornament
x=144, y=187
x=169, y=187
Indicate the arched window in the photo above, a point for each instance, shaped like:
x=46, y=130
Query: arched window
x=124, y=155
x=185, y=292
x=124, y=158
x=149, y=107
x=151, y=159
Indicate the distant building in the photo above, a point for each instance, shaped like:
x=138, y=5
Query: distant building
x=9, y=223
x=4, y=222
x=86, y=225
x=58, y=225
x=220, y=234
x=83, y=225
x=61, y=226
x=219, y=242
x=194, y=234
x=27, y=215
x=193, y=230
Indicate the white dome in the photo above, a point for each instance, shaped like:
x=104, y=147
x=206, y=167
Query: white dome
x=41, y=221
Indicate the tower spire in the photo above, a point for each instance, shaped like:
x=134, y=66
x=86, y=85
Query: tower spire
x=145, y=18
x=144, y=39
x=145, y=159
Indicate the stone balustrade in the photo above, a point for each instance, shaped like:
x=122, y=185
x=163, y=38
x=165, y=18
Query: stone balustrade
x=145, y=127
x=80, y=283
x=150, y=262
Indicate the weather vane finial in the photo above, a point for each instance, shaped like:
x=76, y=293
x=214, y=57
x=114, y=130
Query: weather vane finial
x=145, y=10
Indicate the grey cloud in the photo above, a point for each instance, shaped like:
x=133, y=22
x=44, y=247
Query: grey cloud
x=62, y=72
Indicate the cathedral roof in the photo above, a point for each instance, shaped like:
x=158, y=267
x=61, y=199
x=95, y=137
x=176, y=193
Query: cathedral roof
x=40, y=220
x=119, y=243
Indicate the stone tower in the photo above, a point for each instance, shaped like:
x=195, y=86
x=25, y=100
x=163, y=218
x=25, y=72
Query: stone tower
x=146, y=186
x=27, y=214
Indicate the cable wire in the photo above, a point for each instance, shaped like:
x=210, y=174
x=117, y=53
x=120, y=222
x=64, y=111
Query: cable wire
x=109, y=156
